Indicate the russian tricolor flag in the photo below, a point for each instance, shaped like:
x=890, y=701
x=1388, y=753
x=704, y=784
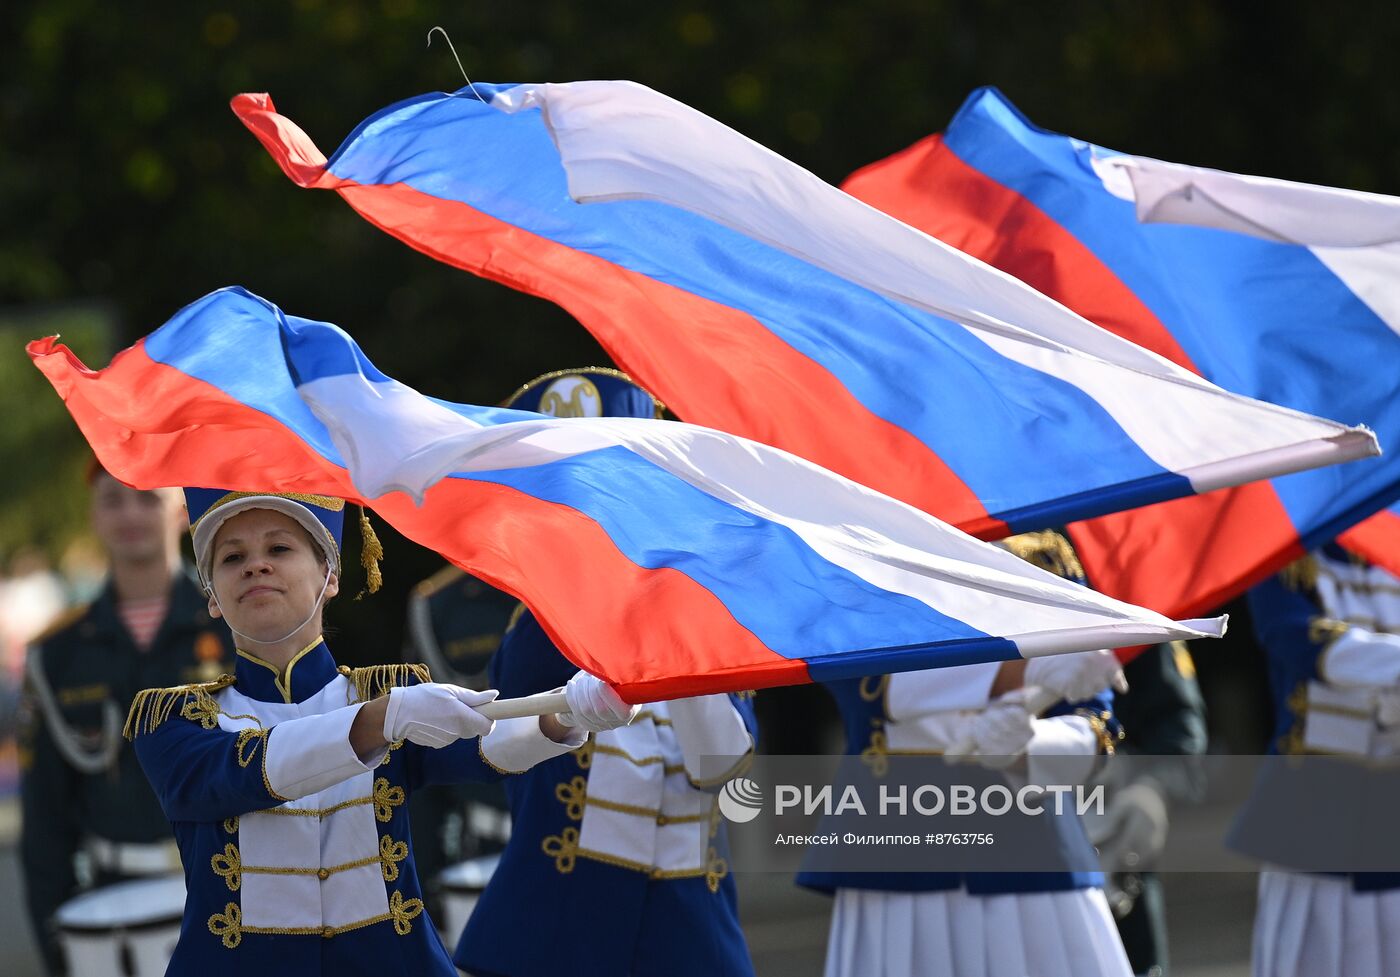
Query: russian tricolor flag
x=1281, y=291
x=672, y=560
x=754, y=298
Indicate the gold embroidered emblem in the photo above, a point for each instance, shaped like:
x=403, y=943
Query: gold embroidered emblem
x=572, y=396
x=573, y=796
x=402, y=911
x=228, y=866
x=228, y=925
x=231, y=825
x=563, y=848
x=391, y=852
x=584, y=754
x=1049, y=551
x=386, y=798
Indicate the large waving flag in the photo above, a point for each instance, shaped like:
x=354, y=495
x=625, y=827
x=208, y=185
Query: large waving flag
x=756, y=299
x=670, y=559
x=1280, y=291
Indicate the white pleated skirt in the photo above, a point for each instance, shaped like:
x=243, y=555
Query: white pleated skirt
x=1318, y=926
x=953, y=934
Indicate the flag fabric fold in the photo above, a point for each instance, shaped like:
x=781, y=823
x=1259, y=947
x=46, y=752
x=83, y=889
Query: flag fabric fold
x=670, y=559
x=754, y=298
x=1279, y=291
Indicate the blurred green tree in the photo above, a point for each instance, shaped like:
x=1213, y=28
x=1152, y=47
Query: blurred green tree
x=125, y=180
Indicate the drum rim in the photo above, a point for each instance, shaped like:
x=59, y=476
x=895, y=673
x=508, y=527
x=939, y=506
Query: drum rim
x=75, y=928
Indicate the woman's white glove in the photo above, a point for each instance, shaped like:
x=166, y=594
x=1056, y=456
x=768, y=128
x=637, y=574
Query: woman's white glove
x=1001, y=731
x=435, y=714
x=1078, y=675
x=594, y=706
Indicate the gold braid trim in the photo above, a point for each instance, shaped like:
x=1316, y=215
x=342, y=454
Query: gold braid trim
x=1047, y=550
x=716, y=868
x=876, y=756
x=243, y=751
x=372, y=681
x=1325, y=631
x=386, y=798
x=152, y=707
x=402, y=911
x=314, y=812
x=391, y=852
x=1301, y=574
x=321, y=873
x=228, y=925
x=228, y=865
x=1098, y=722
x=573, y=795
x=563, y=848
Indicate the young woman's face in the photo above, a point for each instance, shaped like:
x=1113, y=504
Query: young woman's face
x=266, y=572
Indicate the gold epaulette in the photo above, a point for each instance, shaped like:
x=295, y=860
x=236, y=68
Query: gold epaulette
x=1049, y=551
x=1300, y=574
x=65, y=620
x=448, y=574
x=151, y=707
x=372, y=681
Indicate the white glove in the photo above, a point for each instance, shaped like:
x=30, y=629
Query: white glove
x=1001, y=731
x=1078, y=675
x=436, y=715
x=594, y=705
x=1133, y=829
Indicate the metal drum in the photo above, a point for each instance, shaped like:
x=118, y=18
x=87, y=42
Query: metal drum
x=461, y=886
x=125, y=929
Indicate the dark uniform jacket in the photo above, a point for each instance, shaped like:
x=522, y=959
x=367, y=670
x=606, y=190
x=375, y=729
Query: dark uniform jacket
x=80, y=778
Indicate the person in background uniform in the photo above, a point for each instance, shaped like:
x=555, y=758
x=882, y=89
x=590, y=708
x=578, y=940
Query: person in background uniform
x=626, y=826
x=455, y=624
x=84, y=797
x=1330, y=627
x=983, y=924
x=1163, y=715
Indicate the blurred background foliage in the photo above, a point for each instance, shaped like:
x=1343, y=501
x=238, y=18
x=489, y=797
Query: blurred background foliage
x=128, y=188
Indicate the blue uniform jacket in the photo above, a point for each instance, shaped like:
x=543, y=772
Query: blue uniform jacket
x=552, y=907
x=1283, y=610
x=297, y=856
x=864, y=719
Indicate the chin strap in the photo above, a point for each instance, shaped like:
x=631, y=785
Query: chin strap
x=315, y=606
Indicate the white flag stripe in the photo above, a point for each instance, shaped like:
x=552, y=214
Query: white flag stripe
x=395, y=439
x=1356, y=235
x=619, y=140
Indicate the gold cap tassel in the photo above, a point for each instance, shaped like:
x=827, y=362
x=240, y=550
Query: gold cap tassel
x=371, y=552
